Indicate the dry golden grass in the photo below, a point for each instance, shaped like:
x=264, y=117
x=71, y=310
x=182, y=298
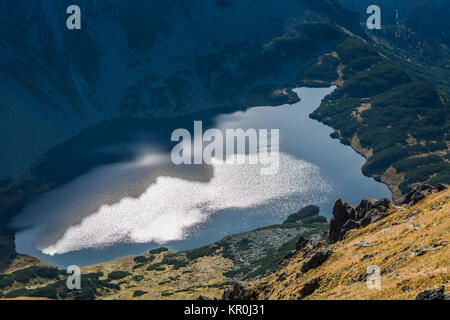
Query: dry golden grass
x=201, y=277
x=356, y=145
x=393, y=179
x=403, y=273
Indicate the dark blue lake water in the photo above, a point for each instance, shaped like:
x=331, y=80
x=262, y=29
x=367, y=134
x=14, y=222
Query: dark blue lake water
x=138, y=199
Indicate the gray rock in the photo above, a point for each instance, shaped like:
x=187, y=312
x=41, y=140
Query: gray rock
x=365, y=244
x=367, y=257
x=342, y=212
x=236, y=293
x=425, y=251
x=385, y=203
x=350, y=225
x=316, y=261
x=434, y=294
x=416, y=197
x=426, y=187
x=309, y=288
x=365, y=221
x=408, y=197
x=301, y=243
x=289, y=256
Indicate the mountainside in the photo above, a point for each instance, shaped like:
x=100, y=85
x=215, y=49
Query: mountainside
x=427, y=18
x=400, y=125
x=152, y=59
x=144, y=59
x=298, y=259
x=407, y=244
x=418, y=39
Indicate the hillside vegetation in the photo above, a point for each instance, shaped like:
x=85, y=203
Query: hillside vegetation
x=163, y=274
x=400, y=125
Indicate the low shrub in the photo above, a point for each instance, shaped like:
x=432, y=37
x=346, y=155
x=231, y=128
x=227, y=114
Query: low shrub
x=117, y=275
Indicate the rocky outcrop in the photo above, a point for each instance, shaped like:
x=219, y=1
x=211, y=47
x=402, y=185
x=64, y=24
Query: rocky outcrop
x=413, y=197
x=342, y=212
x=324, y=270
x=421, y=192
x=237, y=292
x=309, y=288
x=316, y=261
x=434, y=294
x=346, y=217
x=301, y=243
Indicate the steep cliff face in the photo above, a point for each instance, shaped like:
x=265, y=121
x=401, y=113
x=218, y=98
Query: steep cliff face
x=141, y=59
x=407, y=246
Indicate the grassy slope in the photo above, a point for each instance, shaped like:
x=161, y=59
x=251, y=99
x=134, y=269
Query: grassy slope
x=398, y=248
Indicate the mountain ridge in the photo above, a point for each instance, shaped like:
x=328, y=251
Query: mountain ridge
x=140, y=59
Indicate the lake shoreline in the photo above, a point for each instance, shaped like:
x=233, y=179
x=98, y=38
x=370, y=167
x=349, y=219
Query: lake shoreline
x=25, y=195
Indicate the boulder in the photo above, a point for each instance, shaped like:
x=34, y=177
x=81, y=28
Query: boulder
x=434, y=294
x=408, y=197
x=426, y=187
x=365, y=221
x=309, y=288
x=301, y=243
x=342, y=212
x=363, y=208
x=441, y=187
x=382, y=203
x=416, y=197
x=350, y=225
x=237, y=292
x=316, y=261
